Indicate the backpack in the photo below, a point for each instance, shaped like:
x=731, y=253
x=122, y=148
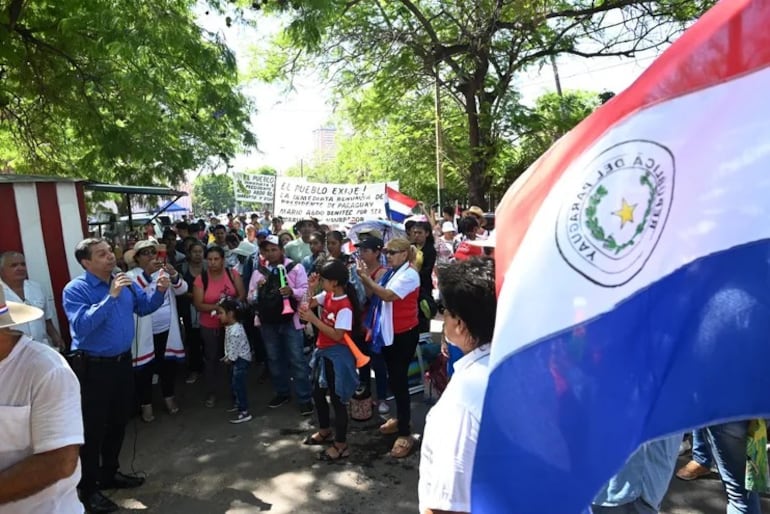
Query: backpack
x=269, y=299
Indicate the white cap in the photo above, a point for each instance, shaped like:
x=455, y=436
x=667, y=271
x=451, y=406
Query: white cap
x=272, y=239
x=245, y=249
x=448, y=226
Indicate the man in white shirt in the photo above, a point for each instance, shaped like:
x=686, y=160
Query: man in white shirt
x=18, y=288
x=452, y=425
x=41, y=427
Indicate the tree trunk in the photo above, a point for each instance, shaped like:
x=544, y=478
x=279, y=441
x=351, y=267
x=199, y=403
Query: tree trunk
x=479, y=136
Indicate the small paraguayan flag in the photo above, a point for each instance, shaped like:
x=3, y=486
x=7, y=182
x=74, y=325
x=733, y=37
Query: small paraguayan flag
x=398, y=206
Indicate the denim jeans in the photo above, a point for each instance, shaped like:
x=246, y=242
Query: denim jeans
x=238, y=384
x=285, y=357
x=701, y=450
x=637, y=506
x=728, y=448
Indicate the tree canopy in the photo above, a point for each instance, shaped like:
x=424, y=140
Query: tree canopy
x=213, y=193
x=383, y=54
x=402, y=146
x=116, y=90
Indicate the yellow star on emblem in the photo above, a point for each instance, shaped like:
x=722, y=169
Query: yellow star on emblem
x=625, y=213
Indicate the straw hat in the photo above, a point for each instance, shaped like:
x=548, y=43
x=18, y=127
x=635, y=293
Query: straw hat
x=12, y=313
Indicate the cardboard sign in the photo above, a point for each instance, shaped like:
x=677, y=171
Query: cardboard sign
x=253, y=188
x=296, y=198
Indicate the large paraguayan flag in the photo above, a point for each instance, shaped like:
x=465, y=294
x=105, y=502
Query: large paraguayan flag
x=397, y=205
x=634, y=274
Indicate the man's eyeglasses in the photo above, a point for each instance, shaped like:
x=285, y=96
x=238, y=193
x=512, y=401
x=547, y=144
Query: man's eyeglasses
x=392, y=252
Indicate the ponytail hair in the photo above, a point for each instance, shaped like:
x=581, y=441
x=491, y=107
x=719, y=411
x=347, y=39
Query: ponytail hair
x=412, y=254
x=234, y=305
x=352, y=294
x=335, y=269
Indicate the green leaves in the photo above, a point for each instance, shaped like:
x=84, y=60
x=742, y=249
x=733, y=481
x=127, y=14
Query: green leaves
x=117, y=90
x=213, y=193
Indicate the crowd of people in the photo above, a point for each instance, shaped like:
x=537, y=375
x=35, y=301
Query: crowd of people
x=231, y=297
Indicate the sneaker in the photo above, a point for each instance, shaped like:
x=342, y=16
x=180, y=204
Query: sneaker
x=234, y=408
x=277, y=401
x=383, y=407
x=306, y=409
x=242, y=417
x=211, y=401
x=191, y=378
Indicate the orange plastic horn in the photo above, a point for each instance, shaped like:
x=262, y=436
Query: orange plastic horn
x=361, y=359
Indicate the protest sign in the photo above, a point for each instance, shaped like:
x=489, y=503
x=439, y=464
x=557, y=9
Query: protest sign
x=330, y=203
x=250, y=187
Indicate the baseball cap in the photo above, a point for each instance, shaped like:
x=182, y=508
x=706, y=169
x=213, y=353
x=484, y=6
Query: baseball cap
x=448, y=226
x=371, y=232
x=263, y=232
x=372, y=243
x=271, y=240
x=144, y=243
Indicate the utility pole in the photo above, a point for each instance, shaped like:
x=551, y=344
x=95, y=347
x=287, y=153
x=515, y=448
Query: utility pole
x=439, y=145
x=556, y=76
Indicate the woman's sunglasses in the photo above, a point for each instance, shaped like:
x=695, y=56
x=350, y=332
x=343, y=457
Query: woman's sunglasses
x=149, y=251
x=392, y=252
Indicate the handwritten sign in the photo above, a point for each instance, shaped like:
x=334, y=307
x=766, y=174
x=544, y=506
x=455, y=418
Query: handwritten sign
x=330, y=203
x=249, y=187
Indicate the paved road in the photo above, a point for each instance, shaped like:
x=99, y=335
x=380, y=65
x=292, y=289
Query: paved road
x=197, y=463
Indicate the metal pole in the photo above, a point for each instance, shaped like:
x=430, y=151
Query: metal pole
x=556, y=76
x=439, y=144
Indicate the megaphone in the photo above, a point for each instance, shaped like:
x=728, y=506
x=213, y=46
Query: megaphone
x=361, y=359
x=287, y=309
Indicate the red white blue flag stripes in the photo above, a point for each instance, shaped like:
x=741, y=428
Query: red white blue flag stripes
x=634, y=274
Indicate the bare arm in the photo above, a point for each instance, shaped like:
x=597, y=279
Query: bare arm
x=335, y=334
x=198, y=301
x=239, y=287
x=386, y=295
x=50, y=329
x=36, y=472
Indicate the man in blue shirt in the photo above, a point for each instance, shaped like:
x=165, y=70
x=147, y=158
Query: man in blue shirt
x=99, y=306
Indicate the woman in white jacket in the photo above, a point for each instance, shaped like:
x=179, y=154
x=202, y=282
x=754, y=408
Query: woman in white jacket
x=158, y=343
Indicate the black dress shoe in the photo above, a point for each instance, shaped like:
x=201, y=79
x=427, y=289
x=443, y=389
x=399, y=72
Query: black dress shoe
x=121, y=481
x=97, y=503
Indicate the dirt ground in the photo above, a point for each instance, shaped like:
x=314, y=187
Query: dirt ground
x=198, y=463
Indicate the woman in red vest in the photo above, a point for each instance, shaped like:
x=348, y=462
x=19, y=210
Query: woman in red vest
x=393, y=322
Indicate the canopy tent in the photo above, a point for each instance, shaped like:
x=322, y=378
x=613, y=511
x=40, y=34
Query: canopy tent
x=172, y=206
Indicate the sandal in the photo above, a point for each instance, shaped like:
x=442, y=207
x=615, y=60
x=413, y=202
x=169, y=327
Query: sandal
x=402, y=447
x=147, y=415
x=171, y=405
x=318, y=439
x=691, y=471
x=333, y=453
x=389, y=427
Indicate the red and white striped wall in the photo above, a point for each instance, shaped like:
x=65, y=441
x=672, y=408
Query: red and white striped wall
x=44, y=218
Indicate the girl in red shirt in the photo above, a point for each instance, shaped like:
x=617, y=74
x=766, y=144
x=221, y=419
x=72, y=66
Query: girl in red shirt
x=334, y=368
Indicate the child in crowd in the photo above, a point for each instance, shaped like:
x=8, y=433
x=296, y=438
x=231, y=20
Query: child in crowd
x=317, y=256
x=237, y=354
x=334, y=368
